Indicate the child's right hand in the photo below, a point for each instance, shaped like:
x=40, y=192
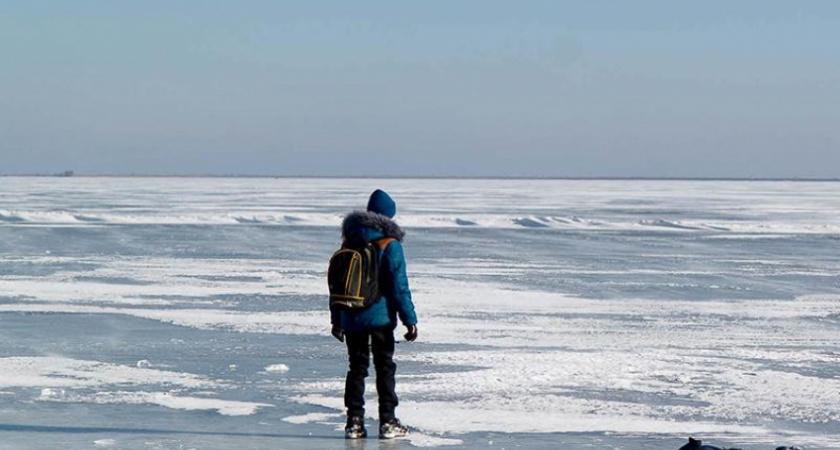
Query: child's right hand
x=337, y=333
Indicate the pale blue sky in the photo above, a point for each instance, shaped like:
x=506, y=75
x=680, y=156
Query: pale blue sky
x=498, y=88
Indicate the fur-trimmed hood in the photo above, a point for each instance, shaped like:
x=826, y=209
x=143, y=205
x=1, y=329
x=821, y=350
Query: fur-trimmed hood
x=357, y=220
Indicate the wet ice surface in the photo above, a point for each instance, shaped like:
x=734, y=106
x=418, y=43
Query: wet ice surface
x=190, y=313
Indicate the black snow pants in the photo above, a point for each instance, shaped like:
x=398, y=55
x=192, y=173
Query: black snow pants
x=360, y=344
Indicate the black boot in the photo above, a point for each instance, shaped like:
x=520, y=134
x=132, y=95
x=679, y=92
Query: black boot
x=392, y=429
x=355, y=428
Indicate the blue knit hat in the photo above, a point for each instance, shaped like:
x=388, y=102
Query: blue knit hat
x=382, y=203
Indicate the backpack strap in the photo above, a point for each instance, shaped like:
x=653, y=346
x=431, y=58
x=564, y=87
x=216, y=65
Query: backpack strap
x=383, y=243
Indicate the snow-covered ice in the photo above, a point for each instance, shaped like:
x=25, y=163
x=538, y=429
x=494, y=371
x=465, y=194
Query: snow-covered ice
x=609, y=314
x=277, y=368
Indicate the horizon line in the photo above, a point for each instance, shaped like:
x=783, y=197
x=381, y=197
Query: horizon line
x=429, y=177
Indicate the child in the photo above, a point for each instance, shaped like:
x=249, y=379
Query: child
x=372, y=329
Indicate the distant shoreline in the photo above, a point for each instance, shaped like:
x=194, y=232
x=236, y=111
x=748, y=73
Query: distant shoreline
x=424, y=177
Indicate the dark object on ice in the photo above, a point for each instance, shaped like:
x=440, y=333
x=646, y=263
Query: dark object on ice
x=785, y=447
x=695, y=444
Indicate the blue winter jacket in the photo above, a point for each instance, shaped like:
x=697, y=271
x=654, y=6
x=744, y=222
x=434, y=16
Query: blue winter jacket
x=393, y=281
